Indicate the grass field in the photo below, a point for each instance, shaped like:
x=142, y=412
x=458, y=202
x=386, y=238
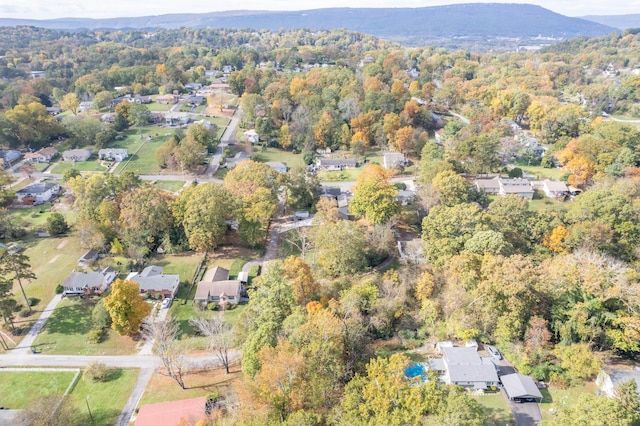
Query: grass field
x=495, y=407
x=65, y=333
x=163, y=389
x=347, y=175
x=547, y=204
x=25, y=385
x=553, y=397
x=106, y=399
x=218, y=121
x=170, y=185
x=156, y=107
x=82, y=166
x=542, y=173
x=274, y=154
x=143, y=161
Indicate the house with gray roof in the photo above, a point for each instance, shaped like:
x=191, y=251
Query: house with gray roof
x=555, y=188
x=82, y=154
x=10, y=155
x=392, y=160
x=520, y=388
x=38, y=192
x=517, y=186
x=609, y=379
x=464, y=367
x=44, y=155
x=216, y=274
x=113, y=154
x=332, y=164
x=89, y=283
x=153, y=281
x=220, y=292
x=88, y=258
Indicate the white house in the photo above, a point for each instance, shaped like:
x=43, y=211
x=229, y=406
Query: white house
x=39, y=192
x=503, y=186
x=113, y=154
x=89, y=283
x=336, y=164
x=44, y=155
x=464, y=367
x=251, y=136
x=554, y=188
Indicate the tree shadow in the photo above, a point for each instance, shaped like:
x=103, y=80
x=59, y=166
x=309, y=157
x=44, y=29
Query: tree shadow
x=546, y=396
x=99, y=416
x=113, y=374
x=73, y=319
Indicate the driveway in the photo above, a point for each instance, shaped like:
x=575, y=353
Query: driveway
x=526, y=413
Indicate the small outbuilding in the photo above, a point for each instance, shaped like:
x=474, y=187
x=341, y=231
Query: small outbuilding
x=520, y=388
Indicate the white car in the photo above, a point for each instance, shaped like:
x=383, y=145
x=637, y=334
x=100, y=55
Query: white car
x=166, y=303
x=494, y=352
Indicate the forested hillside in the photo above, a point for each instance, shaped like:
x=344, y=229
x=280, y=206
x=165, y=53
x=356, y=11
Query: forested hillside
x=332, y=325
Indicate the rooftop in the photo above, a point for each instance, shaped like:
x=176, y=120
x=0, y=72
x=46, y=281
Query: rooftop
x=520, y=386
x=172, y=413
x=37, y=188
x=217, y=288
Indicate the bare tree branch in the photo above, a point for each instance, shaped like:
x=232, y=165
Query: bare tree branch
x=220, y=337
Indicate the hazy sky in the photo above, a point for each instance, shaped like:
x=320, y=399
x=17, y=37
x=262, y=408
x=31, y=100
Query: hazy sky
x=47, y=9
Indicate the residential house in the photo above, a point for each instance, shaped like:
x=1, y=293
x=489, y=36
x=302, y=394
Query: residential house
x=517, y=186
x=278, y=166
x=88, y=258
x=88, y=283
x=167, y=99
x=155, y=117
x=85, y=106
x=231, y=162
x=44, y=155
x=489, y=186
x=608, y=380
x=520, y=388
x=38, y=193
x=37, y=74
x=220, y=292
x=139, y=99
x=177, y=119
x=117, y=101
x=216, y=274
x=193, y=86
x=464, y=367
x=109, y=117
x=186, y=411
x=227, y=69
x=555, y=188
x=82, y=154
x=113, y=154
x=151, y=280
x=391, y=160
x=336, y=164
x=54, y=110
x=243, y=277
x=251, y=136
x=195, y=100
x=10, y=155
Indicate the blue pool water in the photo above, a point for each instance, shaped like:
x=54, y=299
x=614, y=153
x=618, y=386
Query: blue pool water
x=414, y=370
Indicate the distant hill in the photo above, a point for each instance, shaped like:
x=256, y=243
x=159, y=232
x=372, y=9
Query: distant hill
x=621, y=22
x=412, y=25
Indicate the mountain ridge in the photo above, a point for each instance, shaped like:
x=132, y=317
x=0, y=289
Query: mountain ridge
x=457, y=20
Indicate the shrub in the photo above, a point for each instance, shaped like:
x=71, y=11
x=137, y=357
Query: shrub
x=59, y=289
x=100, y=316
x=95, y=336
x=212, y=306
x=96, y=372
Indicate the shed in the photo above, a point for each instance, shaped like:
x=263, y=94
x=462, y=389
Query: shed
x=243, y=277
x=521, y=388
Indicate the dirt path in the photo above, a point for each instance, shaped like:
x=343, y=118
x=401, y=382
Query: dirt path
x=53, y=260
x=62, y=244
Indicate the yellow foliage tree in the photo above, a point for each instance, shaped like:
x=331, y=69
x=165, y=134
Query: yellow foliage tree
x=555, y=240
x=298, y=273
x=126, y=307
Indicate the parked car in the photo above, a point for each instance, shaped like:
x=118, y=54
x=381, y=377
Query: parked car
x=494, y=352
x=166, y=303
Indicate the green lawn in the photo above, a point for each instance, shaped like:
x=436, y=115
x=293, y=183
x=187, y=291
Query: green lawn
x=543, y=173
x=347, y=175
x=65, y=332
x=22, y=386
x=143, y=161
x=275, y=154
x=495, y=407
x=106, y=399
x=553, y=397
x=218, y=121
x=52, y=259
x=40, y=166
x=82, y=166
x=170, y=185
x=33, y=217
x=547, y=204
x=156, y=107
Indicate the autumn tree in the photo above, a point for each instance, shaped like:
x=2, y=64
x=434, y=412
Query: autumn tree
x=452, y=188
x=373, y=196
x=70, y=102
x=298, y=273
x=126, y=307
x=348, y=257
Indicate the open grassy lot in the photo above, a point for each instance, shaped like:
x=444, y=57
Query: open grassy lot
x=347, y=175
x=66, y=332
x=40, y=166
x=33, y=217
x=553, y=397
x=20, y=387
x=221, y=122
x=162, y=388
x=497, y=410
x=170, y=185
x=547, y=204
x=82, y=166
x=275, y=154
x=21, y=184
x=106, y=399
x=143, y=161
x=542, y=173
x=182, y=264
x=156, y=107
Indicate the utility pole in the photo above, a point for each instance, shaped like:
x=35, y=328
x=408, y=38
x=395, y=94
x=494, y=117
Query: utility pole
x=88, y=408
